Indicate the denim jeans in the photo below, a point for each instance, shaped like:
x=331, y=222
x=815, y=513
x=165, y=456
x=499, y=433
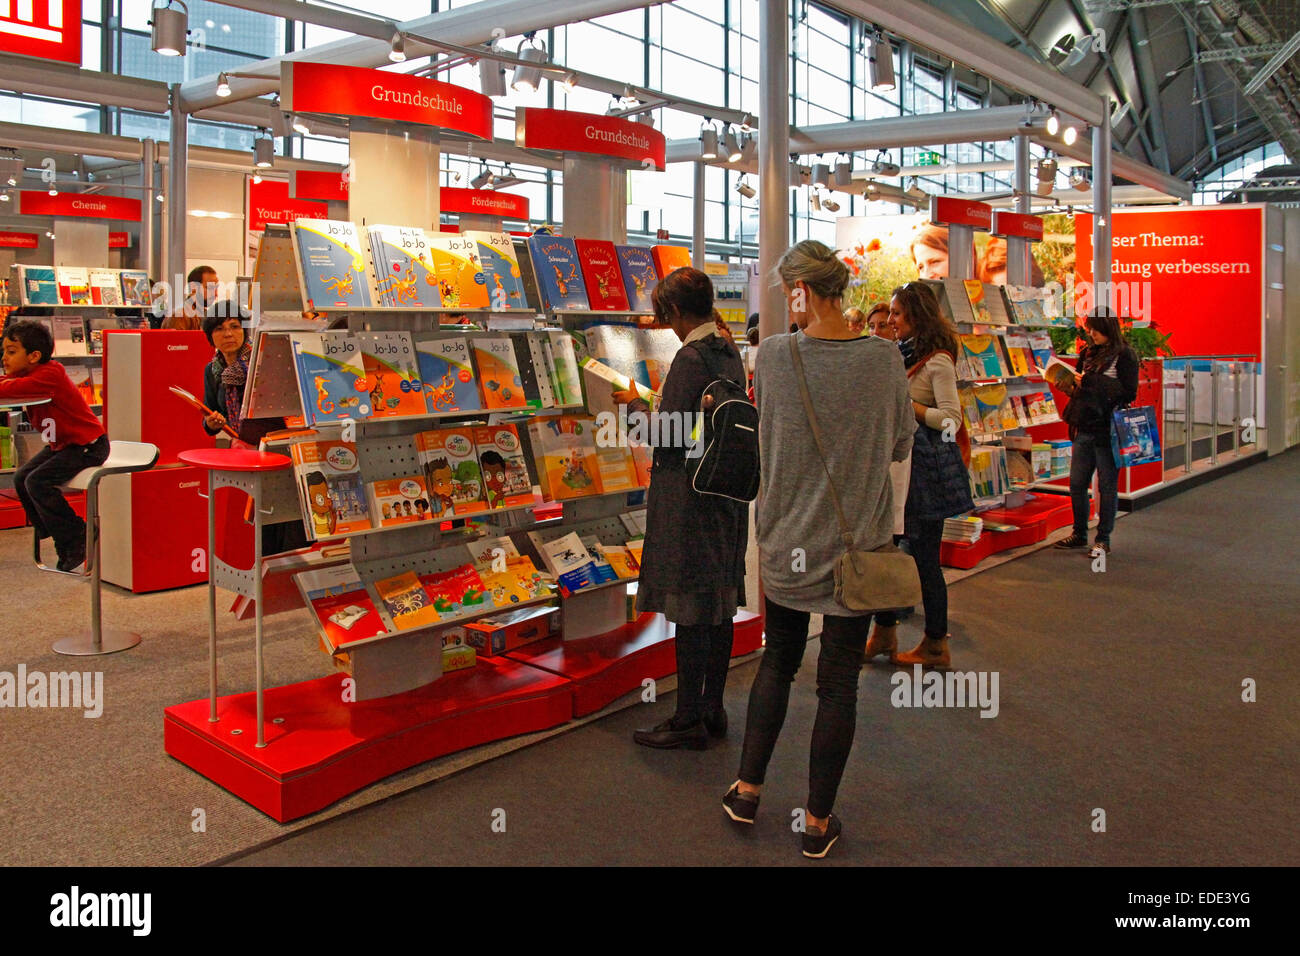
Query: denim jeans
x=838, y=665
x=1093, y=453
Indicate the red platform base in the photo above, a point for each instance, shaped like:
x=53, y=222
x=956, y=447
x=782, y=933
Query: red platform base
x=325, y=750
x=12, y=514
x=1038, y=518
x=748, y=633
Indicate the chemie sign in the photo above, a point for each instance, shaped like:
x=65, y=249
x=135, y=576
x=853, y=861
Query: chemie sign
x=379, y=94
x=483, y=202
x=76, y=205
x=610, y=136
x=49, y=29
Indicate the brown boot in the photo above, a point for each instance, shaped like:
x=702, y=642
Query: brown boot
x=931, y=652
x=883, y=640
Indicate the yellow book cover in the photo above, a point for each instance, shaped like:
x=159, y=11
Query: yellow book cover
x=616, y=469
x=406, y=601
x=620, y=559
x=458, y=658
x=460, y=276
x=564, y=450
x=634, y=548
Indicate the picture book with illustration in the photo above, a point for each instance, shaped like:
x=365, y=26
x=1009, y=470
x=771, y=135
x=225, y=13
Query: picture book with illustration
x=404, y=274
x=1040, y=344
x=601, y=273
x=513, y=581
x=603, y=571
x=392, y=373
x=331, y=376
x=456, y=264
x=640, y=277
x=407, y=602
x=395, y=501
x=105, y=287
x=501, y=270
x=342, y=605
x=567, y=559
x=981, y=357
x=331, y=264
x=564, y=451
x=446, y=373
x=74, y=285
x=333, y=495
x=559, y=274
x=456, y=592
x=135, y=288
x=498, y=373
x=451, y=471
x=1019, y=353
x=501, y=462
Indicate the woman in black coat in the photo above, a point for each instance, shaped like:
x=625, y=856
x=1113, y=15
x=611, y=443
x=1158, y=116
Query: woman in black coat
x=693, y=561
x=225, y=377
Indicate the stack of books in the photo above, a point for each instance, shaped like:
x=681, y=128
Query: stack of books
x=966, y=529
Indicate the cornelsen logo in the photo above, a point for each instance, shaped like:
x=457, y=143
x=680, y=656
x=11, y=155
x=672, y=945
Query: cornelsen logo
x=950, y=689
x=77, y=909
x=75, y=690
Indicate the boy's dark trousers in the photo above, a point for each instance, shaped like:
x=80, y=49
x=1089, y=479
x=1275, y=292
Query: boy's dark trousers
x=37, y=484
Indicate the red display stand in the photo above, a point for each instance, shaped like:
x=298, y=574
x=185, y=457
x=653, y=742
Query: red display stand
x=323, y=749
x=1037, y=519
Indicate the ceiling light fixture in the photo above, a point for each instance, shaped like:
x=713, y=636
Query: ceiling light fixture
x=4, y=196
x=747, y=123
x=831, y=204
x=915, y=190
x=53, y=191
x=263, y=151
x=492, y=75
x=1070, y=135
x=796, y=173
x=646, y=119
x=1079, y=181
x=873, y=192
x=570, y=82
x=223, y=85
x=708, y=140
x=397, y=48
x=299, y=125
x=844, y=173
x=880, y=63
x=821, y=174
x=745, y=189
x=1053, y=123
x=170, y=28
x=528, y=77
x=816, y=201
x=730, y=146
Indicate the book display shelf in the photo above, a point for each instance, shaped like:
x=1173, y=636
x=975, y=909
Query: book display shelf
x=474, y=571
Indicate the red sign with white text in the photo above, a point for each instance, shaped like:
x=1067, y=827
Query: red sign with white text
x=1024, y=226
x=611, y=136
x=483, y=202
x=19, y=240
x=119, y=240
x=317, y=184
x=380, y=94
x=78, y=205
x=49, y=29
x=953, y=211
x=269, y=201
x=1198, y=273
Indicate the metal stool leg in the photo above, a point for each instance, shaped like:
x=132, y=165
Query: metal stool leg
x=100, y=640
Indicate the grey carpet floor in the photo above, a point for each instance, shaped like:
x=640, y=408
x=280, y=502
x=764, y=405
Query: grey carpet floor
x=1120, y=691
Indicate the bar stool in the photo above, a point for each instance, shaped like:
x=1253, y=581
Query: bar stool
x=124, y=457
x=242, y=469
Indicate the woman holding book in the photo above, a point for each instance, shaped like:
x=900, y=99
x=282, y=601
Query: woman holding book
x=1106, y=379
x=939, y=486
x=861, y=419
x=693, y=564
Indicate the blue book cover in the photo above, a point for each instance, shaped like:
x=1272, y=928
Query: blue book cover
x=39, y=285
x=404, y=275
x=505, y=284
x=447, y=374
x=559, y=276
x=1134, y=437
x=331, y=376
x=639, y=276
x=332, y=264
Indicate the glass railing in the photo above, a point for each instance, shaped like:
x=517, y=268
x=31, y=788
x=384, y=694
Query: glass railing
x=1210, y=404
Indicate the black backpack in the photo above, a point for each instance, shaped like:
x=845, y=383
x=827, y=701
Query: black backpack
x=728, y=464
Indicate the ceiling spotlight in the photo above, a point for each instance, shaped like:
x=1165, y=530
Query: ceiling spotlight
x=223, y=85
x=1079, y=181
x=614, y=107
x=570, y=82
x=170, y=27
x=821, y=175
x=257, y=178
x=48, y=234
x=53, y=191
x=749, y=150
x=730, y=147
x=484, y=179
x=708, y=142
x=646, y=119
x=1053, y=123
x=883, y=167
x=1070, y=135
x=796, y=173
x=300, y=125
x=880, y=64
x=915, y=190
x=4, y=196
x=159, y=197
x=745, y=189
x=1061, y=50
x=491, y=76
x=1046, y=171
x=747, y=123
x=816, y=201
x=263, y=152
x=528, y=77
x=397, y=48
x=831, y=204
x=844, y=174
x=873, y=192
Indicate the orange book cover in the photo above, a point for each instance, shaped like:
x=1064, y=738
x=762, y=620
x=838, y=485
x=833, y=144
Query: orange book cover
x=668, y=258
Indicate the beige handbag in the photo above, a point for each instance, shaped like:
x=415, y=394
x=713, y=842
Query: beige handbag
x=881, y=580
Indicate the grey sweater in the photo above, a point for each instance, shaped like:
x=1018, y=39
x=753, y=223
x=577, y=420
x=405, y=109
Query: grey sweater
x=860, y=396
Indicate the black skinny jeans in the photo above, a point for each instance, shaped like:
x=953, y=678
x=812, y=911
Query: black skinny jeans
x=838, y=665
x=703, y=660
x=37, y=484
x=923, y=541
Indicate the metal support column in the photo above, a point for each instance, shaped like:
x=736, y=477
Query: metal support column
x=1101, y=251
x=177, y=159
x=773, y=160
x=1214, y=412
x=148, y=160
x=1018, y=269
x=697, y=242
x=1189, y=415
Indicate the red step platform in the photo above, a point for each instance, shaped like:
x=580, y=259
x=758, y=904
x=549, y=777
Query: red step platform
x=1040, y=516
x=11, y=510
x=326, y=749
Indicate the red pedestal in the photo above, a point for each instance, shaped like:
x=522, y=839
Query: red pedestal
x=1038, y=518
x=748, y=634
x=154, y=528
x=326, y=749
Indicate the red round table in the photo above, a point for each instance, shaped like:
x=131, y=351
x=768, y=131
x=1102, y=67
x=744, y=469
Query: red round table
x=242, y=469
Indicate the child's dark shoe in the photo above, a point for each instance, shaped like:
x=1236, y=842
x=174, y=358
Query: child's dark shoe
x=72, y=557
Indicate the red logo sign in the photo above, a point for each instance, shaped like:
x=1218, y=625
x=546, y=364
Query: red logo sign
x=19, y=240
x=1017, y=224
x=379, y=94
x=49, y=29
x=612, y=136
x=119, y=240
x=315, y=184
x=951, y=211
x=93, y=206
x=268, y=201
x=483, y=202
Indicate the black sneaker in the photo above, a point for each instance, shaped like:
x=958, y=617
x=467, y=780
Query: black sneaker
x=817, y=845
x=1073, y=543
x=741, y=807
x=73, y=557
x=669, y=735
x=715, y=722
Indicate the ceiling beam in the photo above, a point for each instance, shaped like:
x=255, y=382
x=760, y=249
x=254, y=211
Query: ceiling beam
x=1202, y=93
x=332, y=17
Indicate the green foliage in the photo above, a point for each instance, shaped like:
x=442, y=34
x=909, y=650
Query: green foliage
x=1148, y=342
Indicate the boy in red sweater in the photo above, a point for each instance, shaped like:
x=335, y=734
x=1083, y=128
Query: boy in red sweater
x=75, y=438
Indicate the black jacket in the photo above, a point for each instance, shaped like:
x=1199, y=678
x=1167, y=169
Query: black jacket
x=1098, y=395
x=214, y=396
x=693, y=542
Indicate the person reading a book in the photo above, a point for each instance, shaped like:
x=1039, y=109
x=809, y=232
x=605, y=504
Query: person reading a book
x=74, y=437
x=693, y=562
x=1106, y=379
x=862, y=419
x=226, y=376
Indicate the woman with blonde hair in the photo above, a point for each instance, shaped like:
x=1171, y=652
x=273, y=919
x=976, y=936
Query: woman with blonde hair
x=861, y=417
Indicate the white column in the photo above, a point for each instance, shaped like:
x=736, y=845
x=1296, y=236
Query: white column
x=773, y=160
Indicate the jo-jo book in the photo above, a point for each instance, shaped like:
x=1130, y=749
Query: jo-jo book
x=460, y=275
x=600, y=270
x=446, y=374
x=331, y=263
x=559, y=274
x=331, y=377
x=404, y=274
x=392, y=374
x=501, y=270
x=498, y=373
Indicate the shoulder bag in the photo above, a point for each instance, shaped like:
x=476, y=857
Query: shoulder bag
x=879, y=580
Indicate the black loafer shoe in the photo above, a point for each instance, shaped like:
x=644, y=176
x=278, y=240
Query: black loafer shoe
x=73, y=558
x=741, y=807
x=668, y=736
x=715, y=722
x=817, y=845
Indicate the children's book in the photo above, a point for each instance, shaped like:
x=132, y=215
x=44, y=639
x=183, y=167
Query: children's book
x=446, y=373
x=995, y=306
x=392, y=373
x=460, y=275
x=342, y=605
x=989, y=400
x=620, y=559
x=404, y=273
x=95, y=329
x=564, y=450
x=603, y=570
x=1026, y=304
x=74, y=285
x=614, y=465
x=1057, y=374
x=38, y=285
x=564, y=364
x=456, y=592
x=981, y=356
x=567, y=559
x=1019, y=353
x=1040, y=344
x=559, y=274
x=642, y=459
x=487, y=553
x=395, y=501
x=975, y=295
x=639, y=277
x=668, y=258
x=634, y=547
x=451, y=471
x=135, y=288
x=634, y=521
x=331, y=264
x=329, y=481
x=518, y=581
x=501, y=460
x=69, y=335
x=655, y=351
x=407, y=602
x=331, y=376
x=498, y=373
x=501, y=269
x=105, y=287
x=601, y=273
